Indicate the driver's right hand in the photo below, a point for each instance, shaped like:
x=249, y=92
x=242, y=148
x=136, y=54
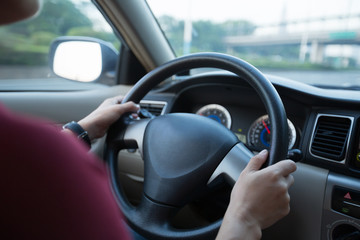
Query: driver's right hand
x=259, y=198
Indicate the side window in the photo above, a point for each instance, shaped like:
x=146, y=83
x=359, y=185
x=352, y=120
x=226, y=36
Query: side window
x=24, y=46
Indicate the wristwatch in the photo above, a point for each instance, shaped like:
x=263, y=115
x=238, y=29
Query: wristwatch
x=79, y=131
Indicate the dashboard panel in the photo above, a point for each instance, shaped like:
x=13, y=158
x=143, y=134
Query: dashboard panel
x=326, y=123
x=245, y=109
x=303, y=105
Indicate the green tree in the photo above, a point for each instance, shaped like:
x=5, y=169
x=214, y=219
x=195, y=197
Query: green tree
x=174, y=30
x=206, y=35
x=57, y=17
x=28, y=42
x=91, y=32
x=238, y=28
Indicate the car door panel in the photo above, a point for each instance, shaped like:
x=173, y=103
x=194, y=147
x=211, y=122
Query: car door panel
x=59, y=107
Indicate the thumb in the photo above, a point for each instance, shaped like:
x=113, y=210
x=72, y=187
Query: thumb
x=257, y=161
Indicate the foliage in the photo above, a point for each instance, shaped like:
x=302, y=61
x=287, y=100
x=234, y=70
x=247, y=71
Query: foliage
x=238, y=28
x=209, y=36
x=206, y=35
x=56, y=16
x=89, y=31
x=174, y=31
x=28, y=42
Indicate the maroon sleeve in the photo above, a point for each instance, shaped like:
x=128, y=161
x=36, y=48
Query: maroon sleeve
x=51, y=187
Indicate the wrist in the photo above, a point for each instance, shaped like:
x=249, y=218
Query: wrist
x=251, y=228
x=87, y=128
x=237, y=227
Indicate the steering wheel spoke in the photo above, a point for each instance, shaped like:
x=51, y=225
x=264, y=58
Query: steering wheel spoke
x=233, y=164
x=134, y=134
x=127, y=133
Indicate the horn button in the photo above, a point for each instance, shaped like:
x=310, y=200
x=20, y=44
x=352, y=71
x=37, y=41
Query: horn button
x=181, y=151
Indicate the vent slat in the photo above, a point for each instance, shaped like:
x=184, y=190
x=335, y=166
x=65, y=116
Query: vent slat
x=329, y=140
x=326, y=148
x=330, y=137
x=328, y=129
x=154, y=108
x=323, y=150
x=333, y=136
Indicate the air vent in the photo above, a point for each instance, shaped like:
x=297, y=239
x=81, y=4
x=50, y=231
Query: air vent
x=331, y=136
x=155, y=107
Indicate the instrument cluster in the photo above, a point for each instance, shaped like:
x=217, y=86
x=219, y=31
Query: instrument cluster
x=258, y=134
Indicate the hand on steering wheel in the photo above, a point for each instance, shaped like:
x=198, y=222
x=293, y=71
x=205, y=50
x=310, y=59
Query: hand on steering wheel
x=259, y=198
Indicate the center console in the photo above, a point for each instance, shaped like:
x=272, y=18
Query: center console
x=341, y=215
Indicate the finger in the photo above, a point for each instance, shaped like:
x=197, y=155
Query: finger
x=133, y=106
x=257, y=161
x=285, y=167
x=115, y=100
x=289, y=180
x=112, y=100
x=127, y=107
x=119, y=99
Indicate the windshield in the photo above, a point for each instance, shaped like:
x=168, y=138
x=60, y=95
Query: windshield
x=312, y=41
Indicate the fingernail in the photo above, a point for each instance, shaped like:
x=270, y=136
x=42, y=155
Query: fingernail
x=138, y=108
x=263, y=152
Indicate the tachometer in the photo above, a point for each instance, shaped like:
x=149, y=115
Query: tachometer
x=259, y=134
x=217, y=113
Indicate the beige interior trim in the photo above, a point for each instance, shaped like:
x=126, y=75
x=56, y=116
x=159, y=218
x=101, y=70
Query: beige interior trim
x=60, y=107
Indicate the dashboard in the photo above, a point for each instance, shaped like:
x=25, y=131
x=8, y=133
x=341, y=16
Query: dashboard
x=324, y=131
x=322, y=123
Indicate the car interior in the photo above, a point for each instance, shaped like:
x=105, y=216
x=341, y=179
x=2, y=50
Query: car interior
x=204, y=115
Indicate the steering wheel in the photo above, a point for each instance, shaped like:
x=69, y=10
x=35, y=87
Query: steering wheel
x=183, y=152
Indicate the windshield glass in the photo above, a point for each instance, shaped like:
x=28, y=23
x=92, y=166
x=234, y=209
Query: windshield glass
x=312, y=41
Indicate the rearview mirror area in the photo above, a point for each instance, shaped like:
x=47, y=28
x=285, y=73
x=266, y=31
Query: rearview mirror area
x=82, y=59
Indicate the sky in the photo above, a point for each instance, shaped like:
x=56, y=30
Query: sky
x=267, y=11
x=260, y=12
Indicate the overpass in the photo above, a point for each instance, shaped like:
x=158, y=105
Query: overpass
x=314, y=40
x=324, y=37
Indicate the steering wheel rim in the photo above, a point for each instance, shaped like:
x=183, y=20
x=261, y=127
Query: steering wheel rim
x=141, y=217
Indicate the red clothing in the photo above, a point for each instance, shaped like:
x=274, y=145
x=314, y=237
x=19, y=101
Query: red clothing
x=51, y=187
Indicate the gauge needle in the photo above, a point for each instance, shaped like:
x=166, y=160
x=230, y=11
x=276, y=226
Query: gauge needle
x=266, y=126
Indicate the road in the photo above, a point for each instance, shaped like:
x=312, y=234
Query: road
x=344, y=78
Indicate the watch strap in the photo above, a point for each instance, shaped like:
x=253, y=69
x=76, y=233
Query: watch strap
x=79, y=131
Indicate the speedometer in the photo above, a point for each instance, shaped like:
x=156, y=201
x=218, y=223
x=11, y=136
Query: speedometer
x=217, y=113
x=259, y=134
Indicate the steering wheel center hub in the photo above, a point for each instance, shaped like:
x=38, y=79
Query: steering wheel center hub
x=176, y=155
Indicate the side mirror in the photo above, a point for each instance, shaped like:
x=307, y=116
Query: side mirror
x=82, y=59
